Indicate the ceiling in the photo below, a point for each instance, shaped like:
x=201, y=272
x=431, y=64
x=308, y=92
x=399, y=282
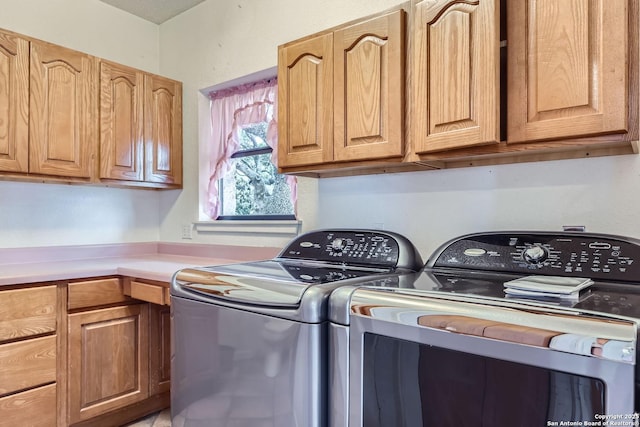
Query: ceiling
x=156, y=11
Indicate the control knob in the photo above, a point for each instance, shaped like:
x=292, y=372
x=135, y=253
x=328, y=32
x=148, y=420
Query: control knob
x=535, y=254
x=338, y=245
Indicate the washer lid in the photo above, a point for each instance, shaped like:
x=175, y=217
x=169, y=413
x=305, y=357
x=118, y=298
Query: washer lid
x=269, y=283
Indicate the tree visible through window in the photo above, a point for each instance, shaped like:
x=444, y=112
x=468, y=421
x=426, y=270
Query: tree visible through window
x=252, y=186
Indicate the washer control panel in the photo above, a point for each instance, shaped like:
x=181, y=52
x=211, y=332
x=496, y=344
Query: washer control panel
x=567, y=254
x=374, y=248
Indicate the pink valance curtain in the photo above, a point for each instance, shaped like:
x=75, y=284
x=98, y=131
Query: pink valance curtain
x=231, y=110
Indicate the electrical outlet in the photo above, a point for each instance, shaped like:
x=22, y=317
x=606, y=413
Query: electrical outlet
x=187, y=231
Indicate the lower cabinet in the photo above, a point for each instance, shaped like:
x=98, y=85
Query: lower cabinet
x=108, y=360
x=118, y=350
x=86, y=352
x=28, y=356
x=159, y=349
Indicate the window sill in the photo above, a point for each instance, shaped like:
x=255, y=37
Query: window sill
x=286, y=228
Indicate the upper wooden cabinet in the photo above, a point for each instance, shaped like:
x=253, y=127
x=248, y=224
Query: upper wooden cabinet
x=62, y=112
x=14, y=103
x=305, y=106
x=455, y=74
x=140, y=126
x=121, y=122
x=163, y=130
x=564, y=84
x=568, y=72
x=68, y=116
x=341, y=94
x=47, y=113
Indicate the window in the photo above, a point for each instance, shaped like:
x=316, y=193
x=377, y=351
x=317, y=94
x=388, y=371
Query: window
x=243, y=179
x=252, y=187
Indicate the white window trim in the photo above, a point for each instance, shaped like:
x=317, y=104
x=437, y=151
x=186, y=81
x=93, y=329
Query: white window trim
x=282, y=228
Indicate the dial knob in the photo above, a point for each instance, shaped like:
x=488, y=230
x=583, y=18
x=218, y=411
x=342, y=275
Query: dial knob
x=535, y=254
x=338, y=245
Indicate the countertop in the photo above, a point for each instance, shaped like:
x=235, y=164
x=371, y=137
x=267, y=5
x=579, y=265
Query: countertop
x=34, y=265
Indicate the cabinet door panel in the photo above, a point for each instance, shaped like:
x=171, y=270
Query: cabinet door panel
x=567, y=70
x=62, y=111
x=14, y=103
x=305, y=100
x=108, y=360
x=455, y=74
x=369, y=89
x=163, y=130
x=160, y=349
x=121, y=122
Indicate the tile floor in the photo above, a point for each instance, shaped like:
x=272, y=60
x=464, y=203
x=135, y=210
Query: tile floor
x=159, y=419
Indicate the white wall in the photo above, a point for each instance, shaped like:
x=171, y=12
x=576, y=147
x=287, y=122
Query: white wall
x=221, y=40
x=34, y=214
x=433, y=206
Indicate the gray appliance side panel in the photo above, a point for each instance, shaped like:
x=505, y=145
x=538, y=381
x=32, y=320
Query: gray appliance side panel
x=231, y=366
x=338, y=375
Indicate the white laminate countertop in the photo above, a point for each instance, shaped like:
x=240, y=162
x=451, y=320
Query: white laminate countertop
x=150, y=266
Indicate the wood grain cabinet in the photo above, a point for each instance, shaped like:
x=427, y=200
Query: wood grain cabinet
x=108, y=360
x=69, y=116
x=62, y=112
x=341, y=94
x=14, y=103
x=157, y=294
x=140, y=126
x=118, y=353
x=28, y=356
x=569, y=68
x=47, y=113
x=568, y=80
x=159, y=349
x=455, y=77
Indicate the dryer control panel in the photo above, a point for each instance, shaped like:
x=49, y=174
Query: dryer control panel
x=578, y=254
x=370, y=248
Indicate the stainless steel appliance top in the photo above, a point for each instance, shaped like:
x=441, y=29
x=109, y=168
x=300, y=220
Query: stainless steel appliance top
x=478, y=265
x=301, y=277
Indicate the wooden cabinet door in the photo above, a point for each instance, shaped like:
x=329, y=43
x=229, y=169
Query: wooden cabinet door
x=108, y=360
x=14, y=103
x=305, y=102
x=62, y=111
x=159, y=349
x=369, y=88
x=121, y=122
x=163, y=130
x=567, y=68
x=455, y=74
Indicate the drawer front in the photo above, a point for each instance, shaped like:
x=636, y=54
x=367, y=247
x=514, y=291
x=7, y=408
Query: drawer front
x=146, y=292
x=91, y=293
x=27, y=364
x=27, y=312
x=33, y=408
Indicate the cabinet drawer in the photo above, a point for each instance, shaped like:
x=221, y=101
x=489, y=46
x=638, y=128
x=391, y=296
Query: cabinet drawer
x=146, y=292
x=26, y=364
x=34, y=408
x=96, y=292
x=26, y=312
